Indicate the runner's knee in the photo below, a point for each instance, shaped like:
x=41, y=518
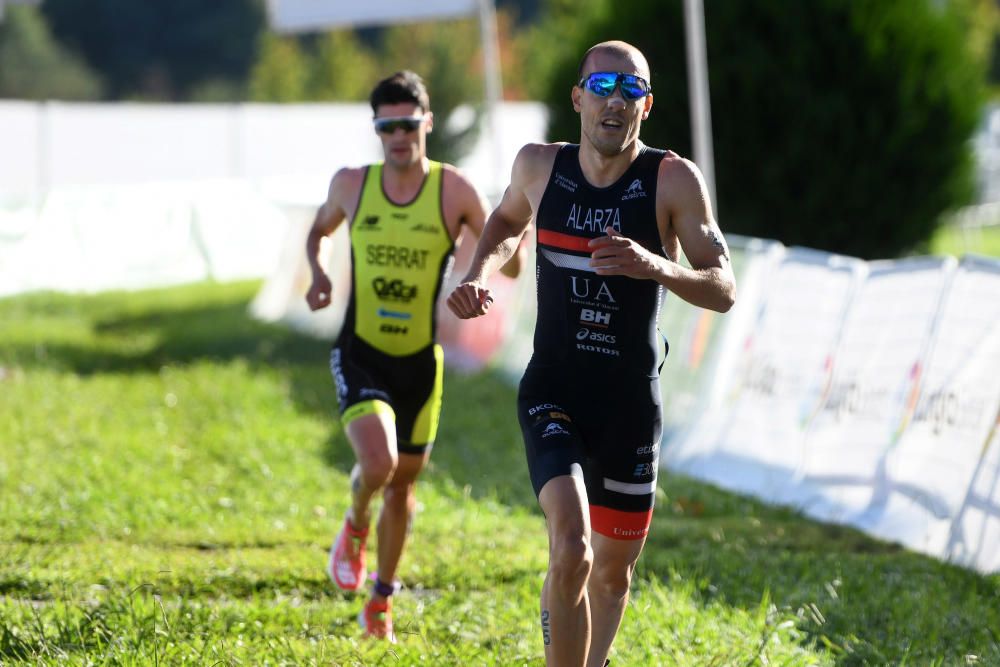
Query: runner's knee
x=377, y=469
x=610, y=580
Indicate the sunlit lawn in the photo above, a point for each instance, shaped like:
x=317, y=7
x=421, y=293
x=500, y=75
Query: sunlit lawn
x=171, y=474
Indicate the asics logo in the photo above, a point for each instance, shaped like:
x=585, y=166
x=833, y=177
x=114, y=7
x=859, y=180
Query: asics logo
x=595, y=336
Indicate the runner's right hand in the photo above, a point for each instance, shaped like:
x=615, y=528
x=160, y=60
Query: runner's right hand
x=319, y=292
x=470, y=300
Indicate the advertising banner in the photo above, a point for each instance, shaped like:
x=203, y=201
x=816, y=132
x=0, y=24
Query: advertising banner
x=872, y=392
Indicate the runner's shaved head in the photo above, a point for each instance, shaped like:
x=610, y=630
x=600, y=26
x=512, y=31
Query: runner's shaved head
x=618, y=49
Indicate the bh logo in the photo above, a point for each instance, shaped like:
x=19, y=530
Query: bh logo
x=595, y=317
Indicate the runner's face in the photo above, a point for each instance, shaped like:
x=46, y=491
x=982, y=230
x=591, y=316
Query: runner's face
x=404, y=148
x=611, y=124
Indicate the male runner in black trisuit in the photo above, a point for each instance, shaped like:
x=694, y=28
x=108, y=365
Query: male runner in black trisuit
x=612, y=215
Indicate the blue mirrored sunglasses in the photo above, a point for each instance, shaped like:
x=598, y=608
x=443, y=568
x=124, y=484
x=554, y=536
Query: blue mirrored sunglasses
x=603, y=84
x=405, y=123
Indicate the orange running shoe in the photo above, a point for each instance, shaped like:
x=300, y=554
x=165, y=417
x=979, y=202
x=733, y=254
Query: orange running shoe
x=376, y=620
x=347, y=557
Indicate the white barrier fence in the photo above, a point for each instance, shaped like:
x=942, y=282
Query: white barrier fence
x=112, y=196
x=865, y=393
x=129, y=237
x=287, y=152
x=862, y=393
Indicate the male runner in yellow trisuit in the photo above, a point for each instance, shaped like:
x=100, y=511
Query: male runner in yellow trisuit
x=406, y=217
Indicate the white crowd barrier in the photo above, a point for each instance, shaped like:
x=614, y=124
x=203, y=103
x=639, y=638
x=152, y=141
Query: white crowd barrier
x=861, y=393
x=96, y=238
x=866, y=393
x=122, y=196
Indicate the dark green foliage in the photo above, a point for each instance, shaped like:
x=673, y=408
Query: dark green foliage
x=994, y=64
x=837, y=125
x=160, y=50
x=34, y=66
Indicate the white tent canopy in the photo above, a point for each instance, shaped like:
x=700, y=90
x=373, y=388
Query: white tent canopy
x=305, y=15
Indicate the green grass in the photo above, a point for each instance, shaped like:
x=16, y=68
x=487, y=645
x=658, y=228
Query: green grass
x=172, y=472
x=952, y=240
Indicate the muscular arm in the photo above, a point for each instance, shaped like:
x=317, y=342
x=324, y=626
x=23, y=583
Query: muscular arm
x=471, y=209
x=501, y=236
x=329, y=216
x=709, y=282
x=684, y=217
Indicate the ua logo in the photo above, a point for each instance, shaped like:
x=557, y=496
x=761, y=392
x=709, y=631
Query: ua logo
x=603, y=293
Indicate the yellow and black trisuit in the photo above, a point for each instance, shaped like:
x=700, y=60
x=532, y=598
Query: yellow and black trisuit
x=386, y=359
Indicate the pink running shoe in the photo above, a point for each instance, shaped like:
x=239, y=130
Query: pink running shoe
x=376, y=620
x=347, y=558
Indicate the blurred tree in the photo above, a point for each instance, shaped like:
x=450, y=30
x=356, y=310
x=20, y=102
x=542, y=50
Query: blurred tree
x=342, y=69
x=523, y=12
x=34, y=66
x=160, y=50
x=544, y=44
x=344, y=65
x=448, y=57
x=838, y=125
x=981, y=19
x=218, y=90
x=281, y=73
x=994, y=67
